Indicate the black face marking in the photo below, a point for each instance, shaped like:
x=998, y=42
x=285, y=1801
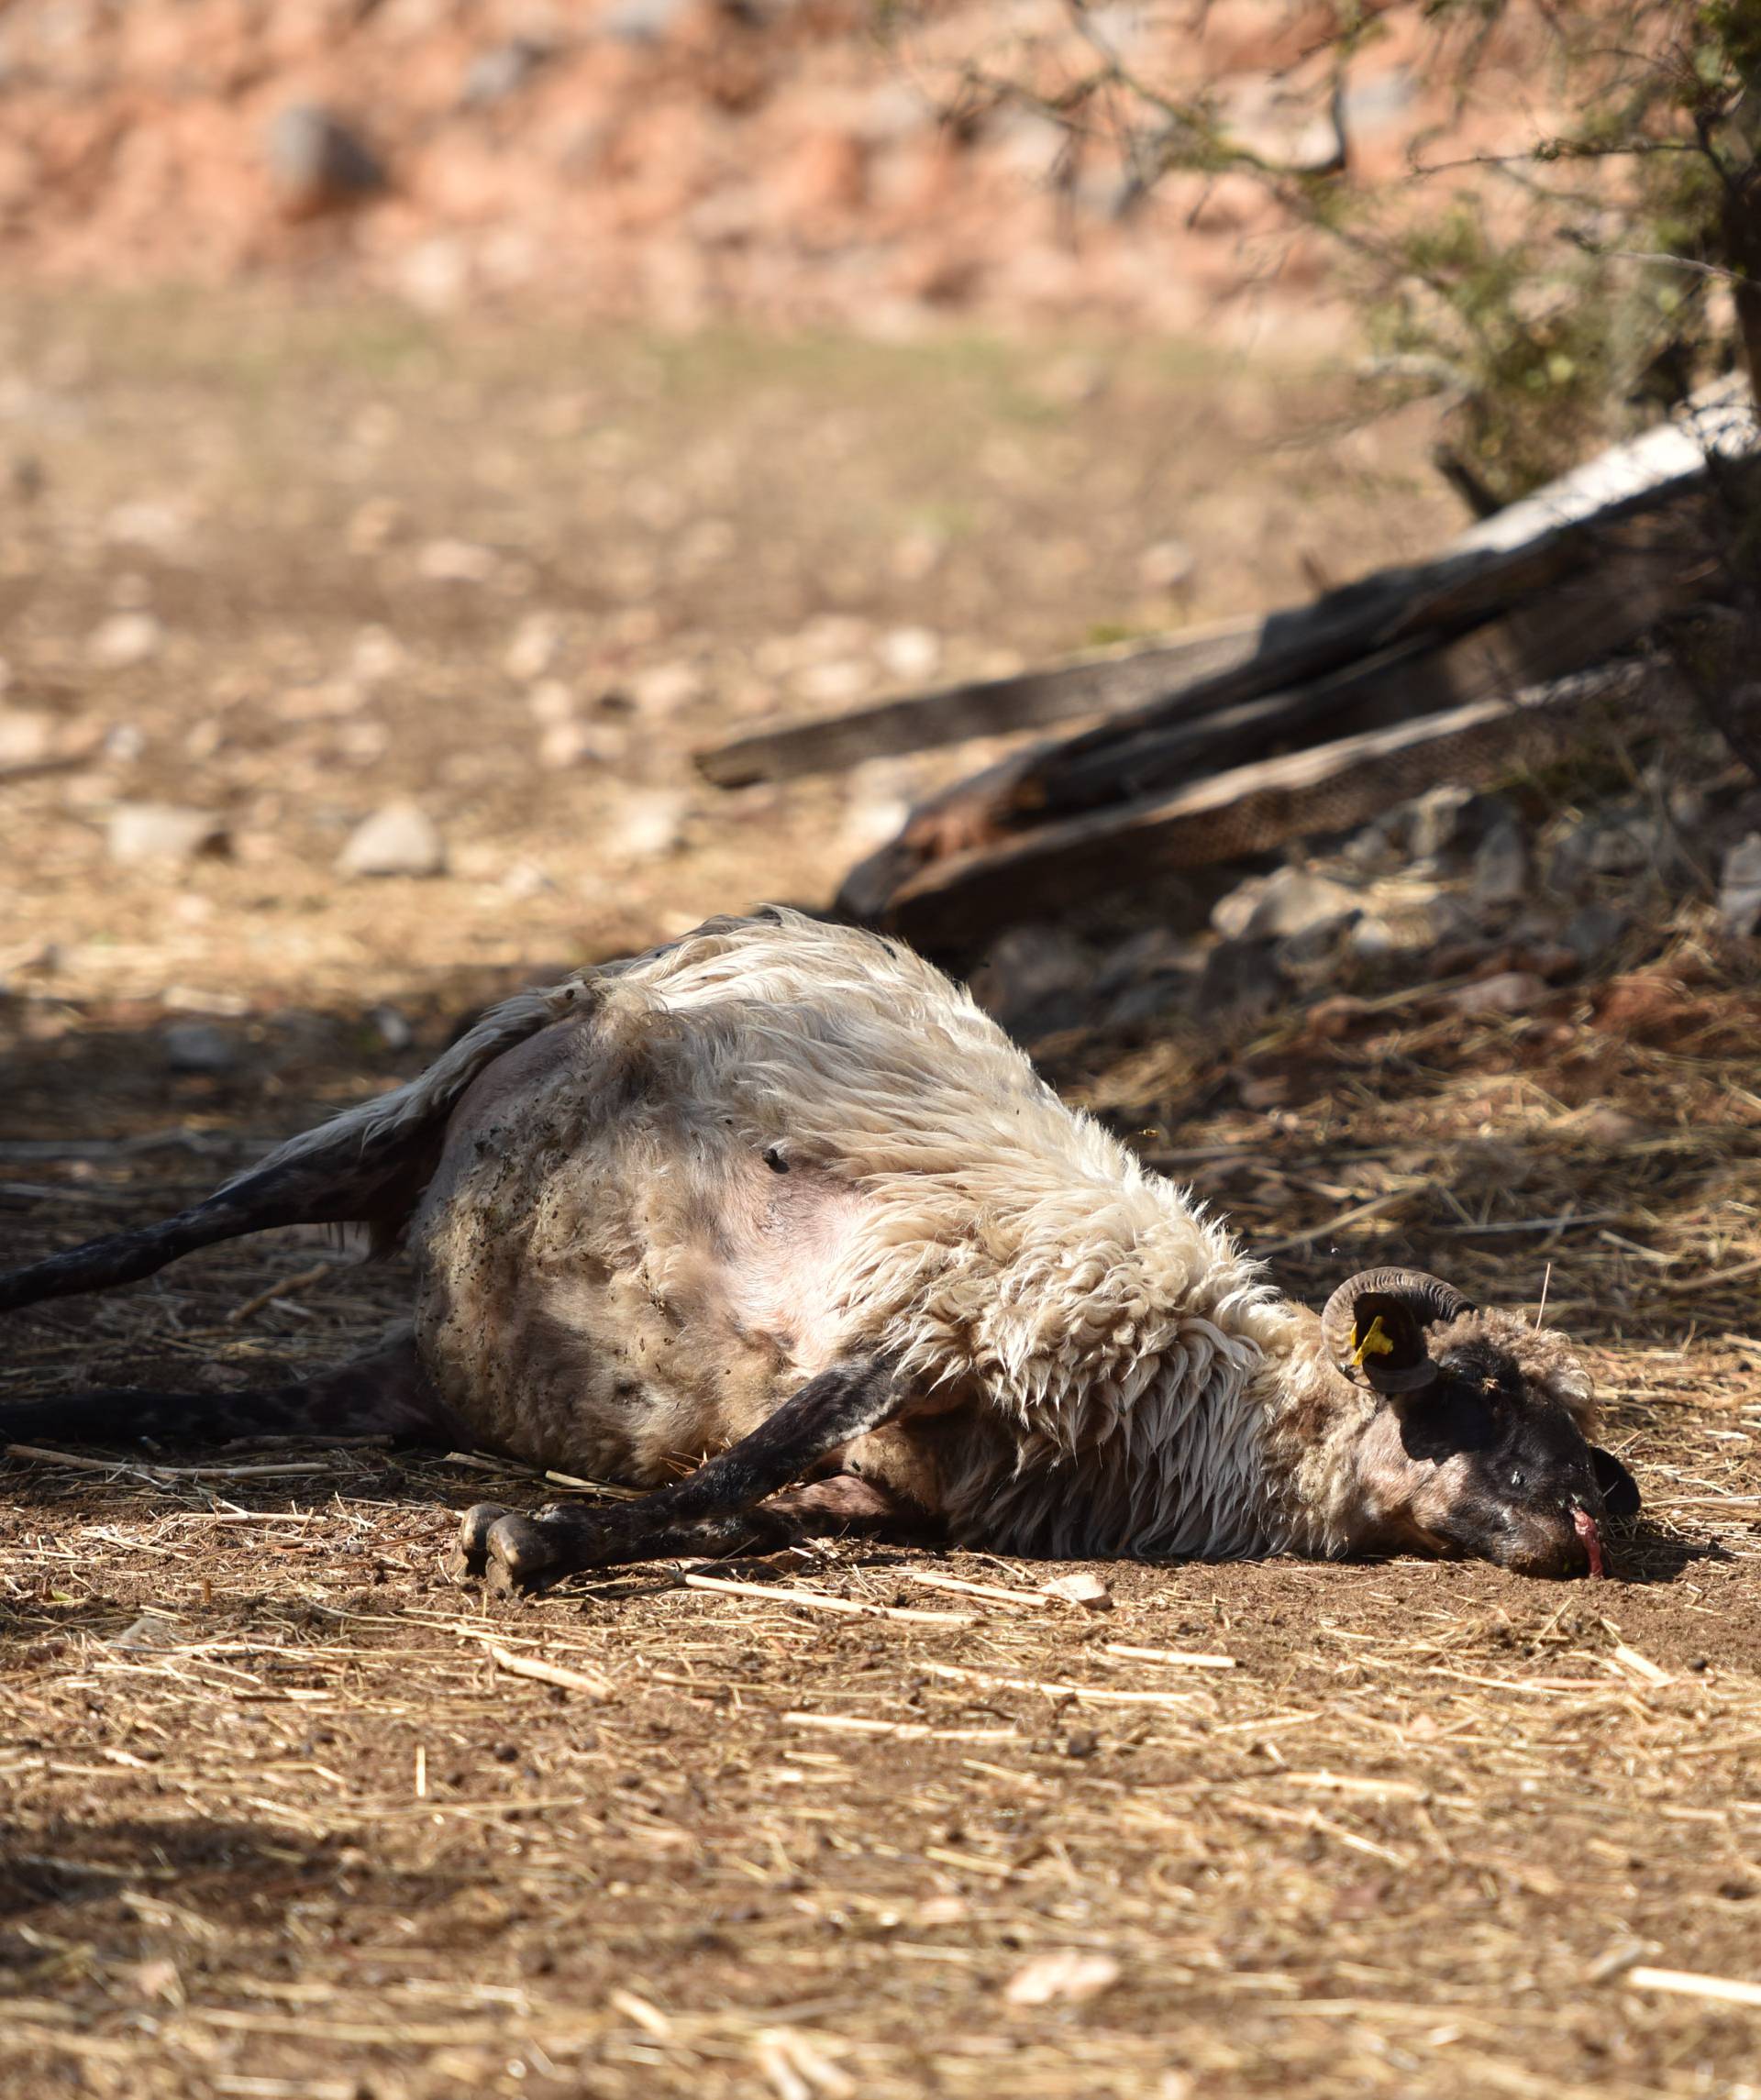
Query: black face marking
x=774, y=1160
x=1520, y=1468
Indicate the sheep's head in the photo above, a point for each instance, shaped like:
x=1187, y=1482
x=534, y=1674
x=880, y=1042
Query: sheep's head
x=1479, y=1447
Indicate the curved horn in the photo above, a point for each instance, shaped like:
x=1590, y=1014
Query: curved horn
x=1405, y=1302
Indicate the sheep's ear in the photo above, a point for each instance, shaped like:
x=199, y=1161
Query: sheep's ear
x=1619, y=1490
x=1388, y=1343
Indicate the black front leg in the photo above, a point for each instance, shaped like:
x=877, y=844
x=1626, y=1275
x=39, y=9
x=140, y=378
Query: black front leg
x=710, y=1511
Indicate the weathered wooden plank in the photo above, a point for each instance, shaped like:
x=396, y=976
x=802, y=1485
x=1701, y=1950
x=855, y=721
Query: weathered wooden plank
x=1580, y=620
x=1522, y=548
x=960, y=901
x=784, y=749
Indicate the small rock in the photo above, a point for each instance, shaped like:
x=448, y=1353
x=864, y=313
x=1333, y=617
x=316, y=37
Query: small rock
x=918, y=554
x=373, y=524
x=317, y=163
x=1374, y=849
x=570, y=742
x=1373, y=939
x=393, y=1030
x=1087, y=1590
x=535, y=647
x=125, y=639
x=1166, y=566
x=1504, y=870
x=1625, y=845
x=1596, y=931
x=145, y=523
x=526, y=879
x=399, y=839
x=1155, y=997
x=641, y=21
x=27, y=736
x=1069, y=382
x=663, y=689
x=435, y=274
x=1448, y=823
x=140, y=831
x=1608, y=1128
x=1289, y=901
x=500, y=72
x=457, y=561
x=1072, y=1973
x=377, y=656
x=198, y=1046
x=1032, y=980
x=1153, y=952
x=910, y=653
x=1510, y=991
x=1739, y=889
x=650, y=824
x=1241, y=983
x=835, y=684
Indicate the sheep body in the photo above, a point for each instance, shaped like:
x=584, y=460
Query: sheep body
x=778, y=1202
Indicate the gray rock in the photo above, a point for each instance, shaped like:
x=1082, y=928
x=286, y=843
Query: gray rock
x=1156, y=951
x=400, y=839
x=1739, y=889
x=198, y=1046
x=642, y=21
x=1503, y=870
x=1166, y=566
x=1624, y=842
x=141, y=832
x=1596, y=933
x=1294, y=901
x=317, y=162
x=1034, y=978
x=1241, y=983
x=393, y=1030
x=1509, y=993
x=1621, y=840
x=125, y=639
x=1448, y=823
x=1155, y=997
x=500, y=72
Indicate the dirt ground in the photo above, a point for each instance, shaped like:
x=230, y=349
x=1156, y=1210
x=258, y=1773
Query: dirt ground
x=285, y=1812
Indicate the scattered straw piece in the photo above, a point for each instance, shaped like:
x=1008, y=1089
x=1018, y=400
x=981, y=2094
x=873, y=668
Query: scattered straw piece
x=548, y=1673
x=1073, y=1973
x=302, y=1281
x=1686, y=1984
x=1031, y=1600
x=898, y=1731
x=1182, y=1658
x=1639, y=1665
x=1095, y=1695
x=818, y=1600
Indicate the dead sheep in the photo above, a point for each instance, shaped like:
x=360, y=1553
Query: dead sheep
x=775, y=1223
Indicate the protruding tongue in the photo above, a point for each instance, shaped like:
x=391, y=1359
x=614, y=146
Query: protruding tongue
x=1585, y=1526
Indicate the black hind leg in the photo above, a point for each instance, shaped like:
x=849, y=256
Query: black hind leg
x=386, y=1394
x=716, y=1511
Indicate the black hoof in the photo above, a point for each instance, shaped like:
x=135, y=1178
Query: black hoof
x=524, y=1555
x=469, y=1554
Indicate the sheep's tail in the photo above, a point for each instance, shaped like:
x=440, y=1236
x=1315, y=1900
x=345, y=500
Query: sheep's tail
x=368, y=1164
x=386, y=1394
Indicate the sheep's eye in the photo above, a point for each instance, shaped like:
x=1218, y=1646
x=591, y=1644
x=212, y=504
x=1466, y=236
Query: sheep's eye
x=774, y=1160
x=1519, y=1479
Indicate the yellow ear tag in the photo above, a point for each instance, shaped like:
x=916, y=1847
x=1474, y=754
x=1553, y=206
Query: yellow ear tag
x=1374, y=1343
